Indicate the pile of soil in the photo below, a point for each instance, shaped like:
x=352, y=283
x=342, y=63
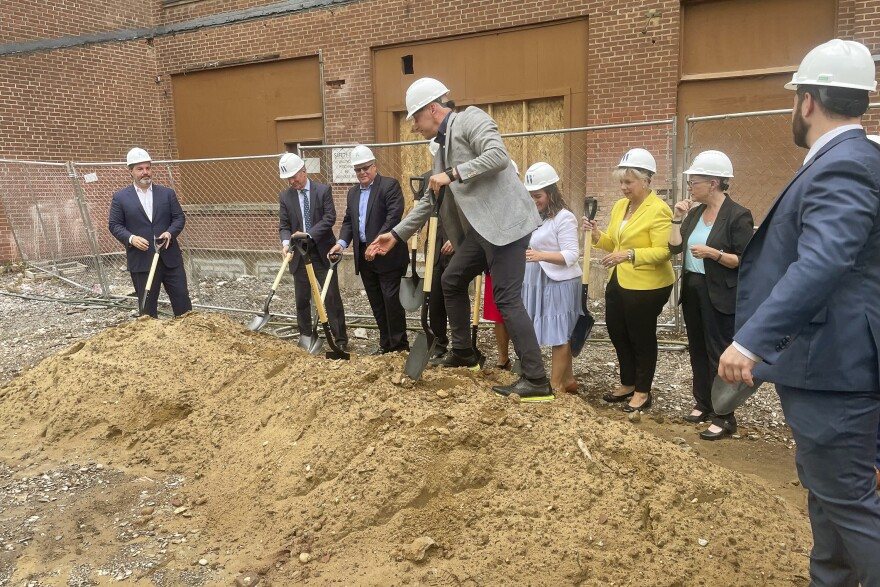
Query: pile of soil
x=195, y=452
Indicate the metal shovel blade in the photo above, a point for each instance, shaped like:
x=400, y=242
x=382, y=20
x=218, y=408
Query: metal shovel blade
x=259, y=322
x=311, y=344
x=419, y=355
x=411, y=295
x=726, y=397
x=581, y=333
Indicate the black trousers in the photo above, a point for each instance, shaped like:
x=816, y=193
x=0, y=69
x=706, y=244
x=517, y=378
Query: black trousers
x=383, y=293
x=835, y=433
x=631, y=316
x=333, y=302
x=174, y=280
x=437, y=305
x=507, y=264
x=709, y=333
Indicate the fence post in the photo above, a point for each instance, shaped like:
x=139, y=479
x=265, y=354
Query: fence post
x=676, y=285
x=82, y=206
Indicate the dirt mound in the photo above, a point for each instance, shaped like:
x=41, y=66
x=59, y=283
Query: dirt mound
x=227, y=457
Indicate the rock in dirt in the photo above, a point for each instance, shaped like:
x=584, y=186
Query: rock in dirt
x=419, y=548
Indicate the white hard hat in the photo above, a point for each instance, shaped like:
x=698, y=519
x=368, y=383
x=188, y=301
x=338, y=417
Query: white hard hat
x=421, y=93
x=875, y=138
x=711, y=163
x=137, y=155
x=639, y=158
x=540, y=175
x=839, y=63
x=361, y=154
x=290, y=165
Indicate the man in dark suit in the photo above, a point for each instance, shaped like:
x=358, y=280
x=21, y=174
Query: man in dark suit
x=807, y=314
x=306, y=207
x=373, y=207
x=142, y=216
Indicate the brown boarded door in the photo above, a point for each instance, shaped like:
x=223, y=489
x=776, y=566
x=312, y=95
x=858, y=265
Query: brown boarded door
x=736, y=55
x=249, y=109
x=254, y=109
x=519, y=76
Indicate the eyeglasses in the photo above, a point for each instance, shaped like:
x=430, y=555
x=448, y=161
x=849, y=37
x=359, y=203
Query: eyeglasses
x=363, y=168
x=691, y=183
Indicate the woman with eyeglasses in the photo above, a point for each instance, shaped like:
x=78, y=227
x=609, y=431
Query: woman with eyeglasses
x=640, y=277
x=711, y=230
x=552, y=284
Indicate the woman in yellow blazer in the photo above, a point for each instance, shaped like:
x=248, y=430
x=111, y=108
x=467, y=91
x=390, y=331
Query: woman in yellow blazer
x=640, y=279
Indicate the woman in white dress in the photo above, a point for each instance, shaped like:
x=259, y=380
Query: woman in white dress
x=552, y=284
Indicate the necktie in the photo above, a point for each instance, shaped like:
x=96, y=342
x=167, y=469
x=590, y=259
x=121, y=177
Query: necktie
x=307, y=210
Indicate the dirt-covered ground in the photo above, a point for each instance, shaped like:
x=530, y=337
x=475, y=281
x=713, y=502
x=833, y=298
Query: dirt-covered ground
x=195, y=452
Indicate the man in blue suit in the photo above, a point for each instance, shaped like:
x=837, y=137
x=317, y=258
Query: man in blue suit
x=807, y=311
x=141, y=216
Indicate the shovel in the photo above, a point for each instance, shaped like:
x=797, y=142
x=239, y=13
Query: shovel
x=157, y=242
x=726, y=397
x=411, y=295
x=423, y=349
x=313, y=343
x=334, y=259
x=475, y=323
x=584, y=324
x=260, y=321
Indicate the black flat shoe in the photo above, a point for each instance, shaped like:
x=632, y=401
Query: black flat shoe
x=726, y=429
x=613, y=399
x=646, y=405
x=701, y=417
x=505, y=366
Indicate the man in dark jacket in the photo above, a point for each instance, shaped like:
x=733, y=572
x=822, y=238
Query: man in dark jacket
x=306, y=207
x=375, y=204
x=142, y=216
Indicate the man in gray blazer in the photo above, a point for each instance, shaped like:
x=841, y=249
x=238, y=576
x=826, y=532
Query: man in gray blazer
x=488, y=216
x=807, y=316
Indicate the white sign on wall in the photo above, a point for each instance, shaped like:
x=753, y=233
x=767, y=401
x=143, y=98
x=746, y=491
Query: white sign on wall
x=343, y=172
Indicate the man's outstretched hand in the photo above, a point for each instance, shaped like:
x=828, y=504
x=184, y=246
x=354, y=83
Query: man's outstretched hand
x=380, y=246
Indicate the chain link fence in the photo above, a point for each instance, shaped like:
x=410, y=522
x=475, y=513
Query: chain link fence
x=761, y=148
x=58, y=212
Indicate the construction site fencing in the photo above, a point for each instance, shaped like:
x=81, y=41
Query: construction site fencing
x=58, y=212
x=761, y=148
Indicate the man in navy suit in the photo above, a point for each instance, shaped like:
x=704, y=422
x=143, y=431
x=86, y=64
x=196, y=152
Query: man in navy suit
x=375, y=205
x=141, y=216
x=807, y=311
x=306, y=207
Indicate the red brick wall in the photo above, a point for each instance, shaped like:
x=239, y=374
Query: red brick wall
x=23, y=20
x=94, y=102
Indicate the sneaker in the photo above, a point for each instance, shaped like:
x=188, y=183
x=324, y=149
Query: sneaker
x=454, y=359
x=526, y=390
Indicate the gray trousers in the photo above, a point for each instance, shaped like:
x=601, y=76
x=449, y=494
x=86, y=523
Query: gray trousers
x=507, y=264
x=836, y=434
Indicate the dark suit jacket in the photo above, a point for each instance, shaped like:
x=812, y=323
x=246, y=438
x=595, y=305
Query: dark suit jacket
x=127, y=217
x=809, y=280
x=384, y=211
x=730, y=233
x=323, y=218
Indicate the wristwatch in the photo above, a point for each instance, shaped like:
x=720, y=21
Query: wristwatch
x=720, y=254
x=450, y=174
